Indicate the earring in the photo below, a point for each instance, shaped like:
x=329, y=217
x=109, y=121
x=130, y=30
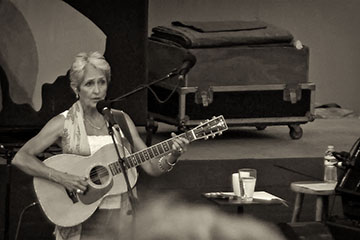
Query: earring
x=77, y=96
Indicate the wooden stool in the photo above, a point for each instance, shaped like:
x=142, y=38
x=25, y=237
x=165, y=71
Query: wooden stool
x=321, y=189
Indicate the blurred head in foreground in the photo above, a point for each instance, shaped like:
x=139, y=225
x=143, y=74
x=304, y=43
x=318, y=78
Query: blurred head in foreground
x=167, y=219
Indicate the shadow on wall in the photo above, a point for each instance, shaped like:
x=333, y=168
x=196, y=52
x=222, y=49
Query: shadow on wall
x=40, y=43
x=40, y=47
x=20, y=60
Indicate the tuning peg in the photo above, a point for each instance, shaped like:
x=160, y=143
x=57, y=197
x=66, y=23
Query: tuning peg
x=220, y=133
x=213, y=135
x=206, y=138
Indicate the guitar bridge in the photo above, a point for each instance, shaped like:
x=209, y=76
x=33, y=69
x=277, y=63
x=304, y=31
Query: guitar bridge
x=72, y=195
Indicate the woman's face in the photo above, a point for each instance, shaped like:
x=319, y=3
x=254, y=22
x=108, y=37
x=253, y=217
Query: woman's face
x=93, y=88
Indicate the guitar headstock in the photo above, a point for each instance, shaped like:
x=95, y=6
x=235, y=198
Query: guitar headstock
x=209, y=128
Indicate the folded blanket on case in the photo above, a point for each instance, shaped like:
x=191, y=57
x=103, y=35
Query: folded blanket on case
x=218, y=34
x=224, y=26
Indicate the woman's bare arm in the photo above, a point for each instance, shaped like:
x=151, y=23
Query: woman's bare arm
x=27, y=161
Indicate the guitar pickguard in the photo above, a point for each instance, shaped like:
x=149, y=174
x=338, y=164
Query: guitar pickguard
x=93, y=194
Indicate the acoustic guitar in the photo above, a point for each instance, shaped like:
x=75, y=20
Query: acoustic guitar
x=103, y=171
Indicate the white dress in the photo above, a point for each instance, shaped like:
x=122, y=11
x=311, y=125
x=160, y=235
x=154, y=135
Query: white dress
x=95, y=143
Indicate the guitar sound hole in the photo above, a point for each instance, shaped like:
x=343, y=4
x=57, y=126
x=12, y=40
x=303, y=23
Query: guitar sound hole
x=99, y=175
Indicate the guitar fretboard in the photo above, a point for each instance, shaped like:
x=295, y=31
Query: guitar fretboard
x=155, y=151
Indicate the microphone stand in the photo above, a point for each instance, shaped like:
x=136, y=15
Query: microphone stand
x=8, y=155
x=132, y=199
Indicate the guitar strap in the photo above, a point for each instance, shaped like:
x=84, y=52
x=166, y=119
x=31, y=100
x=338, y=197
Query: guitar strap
x=120, y=119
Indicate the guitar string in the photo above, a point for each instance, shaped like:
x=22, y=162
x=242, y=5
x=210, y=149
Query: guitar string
x=104, y=170
x=129, y=163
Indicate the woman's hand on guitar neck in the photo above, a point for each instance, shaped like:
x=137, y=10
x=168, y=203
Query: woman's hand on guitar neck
x=179, y=145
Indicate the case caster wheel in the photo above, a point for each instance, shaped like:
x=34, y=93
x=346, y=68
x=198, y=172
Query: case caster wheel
x=296, y=131
x=260, y=128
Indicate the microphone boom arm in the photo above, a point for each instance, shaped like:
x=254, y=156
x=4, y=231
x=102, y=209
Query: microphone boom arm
x=143, y=86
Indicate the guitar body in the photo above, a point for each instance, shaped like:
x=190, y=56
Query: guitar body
x=67, y=209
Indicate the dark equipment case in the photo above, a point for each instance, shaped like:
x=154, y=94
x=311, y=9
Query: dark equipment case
x=249, y=84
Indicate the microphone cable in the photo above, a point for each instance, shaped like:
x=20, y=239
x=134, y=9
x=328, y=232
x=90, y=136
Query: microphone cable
x=21, y=216
x=188, y=62
x=168, y=97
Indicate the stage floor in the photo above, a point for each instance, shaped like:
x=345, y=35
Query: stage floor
x=273, y=142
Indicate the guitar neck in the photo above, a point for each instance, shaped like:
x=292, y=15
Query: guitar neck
x=147, y=154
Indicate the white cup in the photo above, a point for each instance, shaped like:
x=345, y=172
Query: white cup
x=236, y=184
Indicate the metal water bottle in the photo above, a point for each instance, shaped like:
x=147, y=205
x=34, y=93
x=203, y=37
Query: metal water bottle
x=330, y=171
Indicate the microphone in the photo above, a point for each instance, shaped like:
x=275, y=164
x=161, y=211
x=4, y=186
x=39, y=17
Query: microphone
x=104, y=109
x=345, y=160
x=342, y=156
x=345, y=164
x=188, y=63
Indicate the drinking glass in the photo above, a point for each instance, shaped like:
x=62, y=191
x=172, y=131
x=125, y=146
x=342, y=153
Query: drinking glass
x=247, y=182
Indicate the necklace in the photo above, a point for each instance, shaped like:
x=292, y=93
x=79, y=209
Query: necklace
x=92, y=125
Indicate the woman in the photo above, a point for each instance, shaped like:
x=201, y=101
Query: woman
x=83, y=130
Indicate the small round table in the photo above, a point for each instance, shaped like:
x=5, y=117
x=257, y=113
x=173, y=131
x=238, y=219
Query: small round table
x=224, y=200
x=322, y=190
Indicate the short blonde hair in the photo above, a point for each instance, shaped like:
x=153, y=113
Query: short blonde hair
x=77, y=69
